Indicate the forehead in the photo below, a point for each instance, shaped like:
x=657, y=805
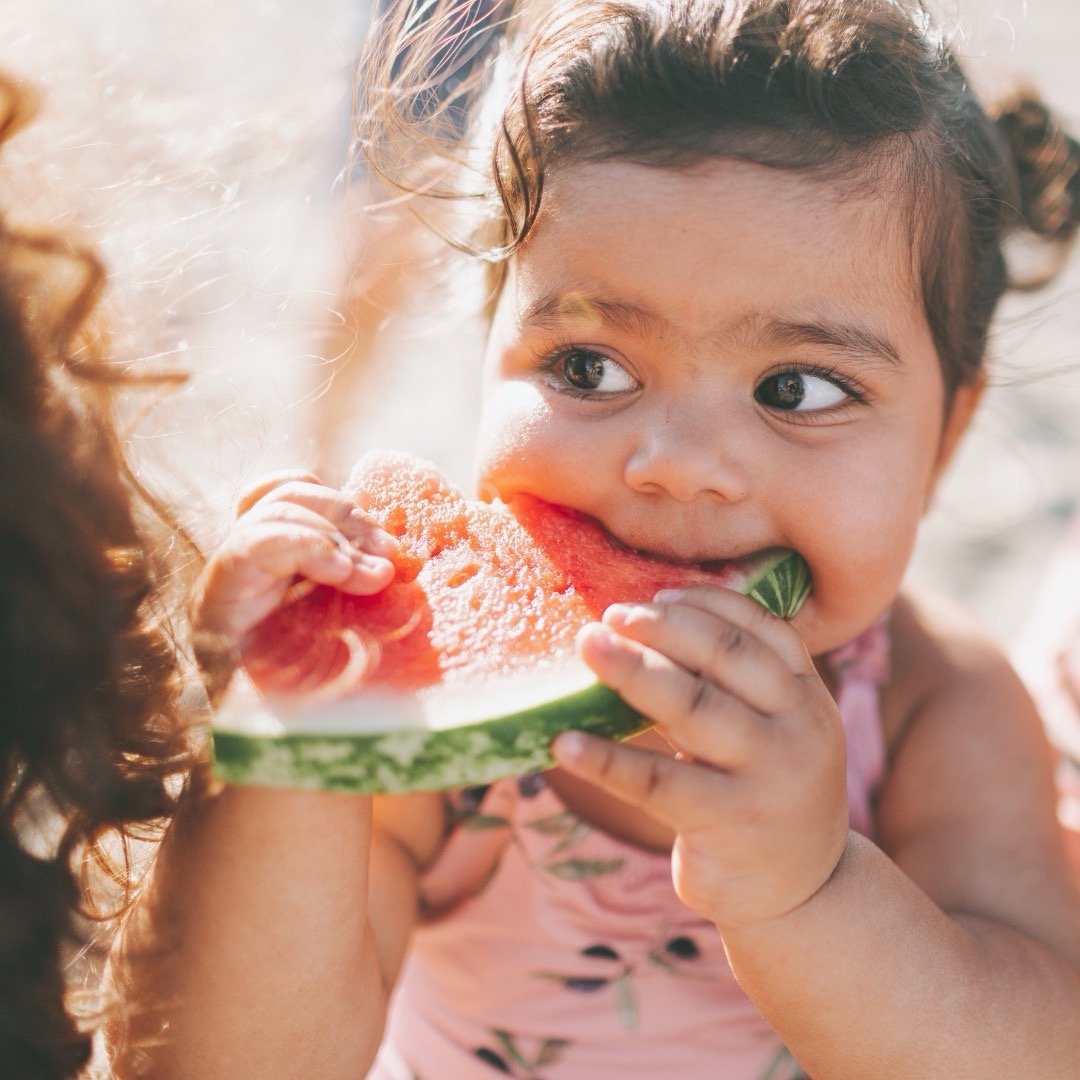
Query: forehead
x=719, y=245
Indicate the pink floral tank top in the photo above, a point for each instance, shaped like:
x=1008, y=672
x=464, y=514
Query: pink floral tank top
x=552, y=951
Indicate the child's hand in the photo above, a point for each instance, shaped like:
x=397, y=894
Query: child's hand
x=287, y=525
x=757, y=794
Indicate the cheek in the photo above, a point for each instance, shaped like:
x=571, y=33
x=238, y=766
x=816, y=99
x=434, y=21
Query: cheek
x=516, y=439
x=856, y=527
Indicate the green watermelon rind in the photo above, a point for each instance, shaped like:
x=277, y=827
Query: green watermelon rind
x=414, y=759
x=417, y=758
x=782, y=588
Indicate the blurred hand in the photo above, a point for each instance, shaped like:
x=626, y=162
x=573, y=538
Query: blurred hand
x=289, y=525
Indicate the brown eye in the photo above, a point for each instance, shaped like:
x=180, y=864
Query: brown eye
x=584, y=370
x=803, y=391
x=783, y=391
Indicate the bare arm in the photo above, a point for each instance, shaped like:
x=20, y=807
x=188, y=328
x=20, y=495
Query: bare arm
x=255, y=951
x=872, y=978
x=271, y=932
x=953, y=950
x=958, y=953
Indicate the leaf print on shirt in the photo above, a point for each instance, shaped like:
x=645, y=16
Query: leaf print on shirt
x=619, y=981
x=512, y=1060
x=530, y=785
x=479, y=821
x=467, y=801
x=683, y=947
x=674, y=955
x=779, y=1066
x=567, y=828
x=583, y=869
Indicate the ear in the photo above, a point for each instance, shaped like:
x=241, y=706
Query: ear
x=965, y=401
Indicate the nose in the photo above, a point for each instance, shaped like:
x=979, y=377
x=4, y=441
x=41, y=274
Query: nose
x=687, y=458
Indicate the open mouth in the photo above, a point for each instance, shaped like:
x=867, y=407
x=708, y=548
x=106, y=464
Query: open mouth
x=777, y=577
x=710, y=565
x=641, y=570
x=723, y=566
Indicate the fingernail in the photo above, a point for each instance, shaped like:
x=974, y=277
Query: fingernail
x=625, y=614
x=666, y=596
x=382, y=543
x=569, y=746
x=601, y=639
x=364, y=561
x=618, y=614
x=343, y=558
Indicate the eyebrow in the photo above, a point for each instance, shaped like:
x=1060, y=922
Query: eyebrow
x=856, y=340
x=846, y=337
x=555, y=308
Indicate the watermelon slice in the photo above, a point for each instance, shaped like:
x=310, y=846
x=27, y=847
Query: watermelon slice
x=463, y=669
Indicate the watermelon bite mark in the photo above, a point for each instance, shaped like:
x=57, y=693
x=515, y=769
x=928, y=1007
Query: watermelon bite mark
x=463, y=669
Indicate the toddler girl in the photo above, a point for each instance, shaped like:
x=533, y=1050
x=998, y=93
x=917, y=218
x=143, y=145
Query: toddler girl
x=747, y=255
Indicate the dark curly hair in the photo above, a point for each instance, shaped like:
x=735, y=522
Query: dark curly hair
x=91, y=737
x=865, y=92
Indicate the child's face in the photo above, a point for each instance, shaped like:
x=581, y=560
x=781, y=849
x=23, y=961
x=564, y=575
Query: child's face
x=721, y=360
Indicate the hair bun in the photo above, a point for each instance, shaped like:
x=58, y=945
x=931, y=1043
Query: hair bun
x=1047, y=164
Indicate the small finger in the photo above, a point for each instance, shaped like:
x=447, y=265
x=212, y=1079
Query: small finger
x=708, y=644
x=346, y=568
x=697, y=716
x=251, y=494
x=750, y=616
x=285, y=548
x=336, y=508
x=673, y=792
x=366, y=534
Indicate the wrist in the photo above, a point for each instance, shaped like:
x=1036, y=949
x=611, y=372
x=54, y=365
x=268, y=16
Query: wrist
x=834, y=871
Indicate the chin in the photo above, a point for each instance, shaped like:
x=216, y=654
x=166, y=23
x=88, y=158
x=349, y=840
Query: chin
x=823, y=633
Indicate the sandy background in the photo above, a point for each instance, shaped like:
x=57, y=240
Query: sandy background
x=198, y=145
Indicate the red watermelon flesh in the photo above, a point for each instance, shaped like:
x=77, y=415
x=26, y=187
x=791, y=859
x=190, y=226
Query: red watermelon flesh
x=482, y=589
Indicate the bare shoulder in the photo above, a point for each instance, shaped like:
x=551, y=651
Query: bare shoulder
x=936, y=647
x=967, y=808
x=953, y=694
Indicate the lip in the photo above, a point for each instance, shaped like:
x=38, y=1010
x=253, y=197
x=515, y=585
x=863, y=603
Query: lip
x=710, y=563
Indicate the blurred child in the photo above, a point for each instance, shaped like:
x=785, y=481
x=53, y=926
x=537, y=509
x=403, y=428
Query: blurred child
x=388, y=244
x=746, y=255
x=90, y=732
